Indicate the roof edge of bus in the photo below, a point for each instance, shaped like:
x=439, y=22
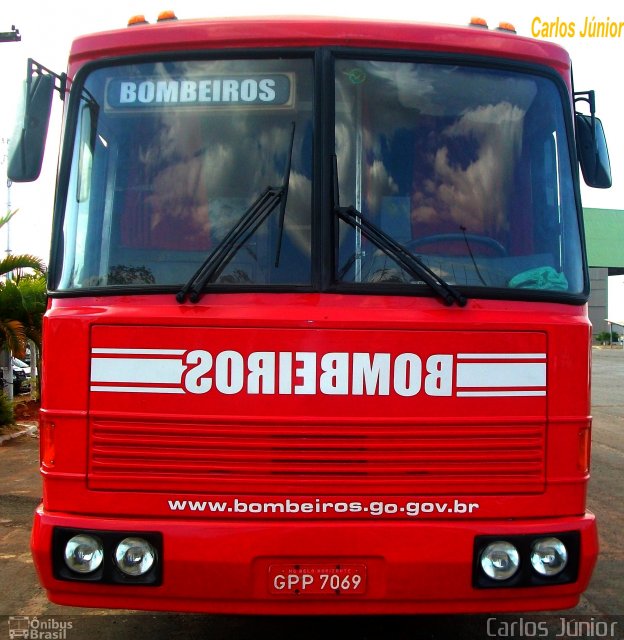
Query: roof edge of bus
x=289, y=31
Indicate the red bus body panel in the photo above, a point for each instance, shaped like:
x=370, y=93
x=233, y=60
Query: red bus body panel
x=257, y=431
x=208, y=469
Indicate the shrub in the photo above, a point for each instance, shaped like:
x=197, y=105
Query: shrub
x=6, y=410
x=604, y=336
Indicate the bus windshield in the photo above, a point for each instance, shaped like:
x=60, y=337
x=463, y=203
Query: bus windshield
x=466, y=167
x=169, y=156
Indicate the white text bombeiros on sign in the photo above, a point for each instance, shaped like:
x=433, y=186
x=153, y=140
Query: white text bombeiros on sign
x=230, y=91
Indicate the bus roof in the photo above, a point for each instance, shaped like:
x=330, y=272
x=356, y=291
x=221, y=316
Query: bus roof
x=265, y=31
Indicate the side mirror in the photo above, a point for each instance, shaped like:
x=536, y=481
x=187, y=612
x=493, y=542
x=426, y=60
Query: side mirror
x=593, y=154
x=28, y=141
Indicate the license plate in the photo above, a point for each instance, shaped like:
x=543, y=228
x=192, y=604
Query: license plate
x=317, y=579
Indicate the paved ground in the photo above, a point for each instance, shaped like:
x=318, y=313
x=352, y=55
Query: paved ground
x=606, y=489
x=20, y=489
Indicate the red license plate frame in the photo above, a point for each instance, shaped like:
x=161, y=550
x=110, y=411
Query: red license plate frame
x=331, y=579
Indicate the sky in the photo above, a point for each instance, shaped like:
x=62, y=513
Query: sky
x=47, y=29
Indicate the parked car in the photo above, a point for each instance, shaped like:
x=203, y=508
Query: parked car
x=21, y=376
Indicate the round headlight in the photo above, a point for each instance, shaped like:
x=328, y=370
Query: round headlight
x=135, y=556
x=84, y=553
x=500, y=560
x=549, y=556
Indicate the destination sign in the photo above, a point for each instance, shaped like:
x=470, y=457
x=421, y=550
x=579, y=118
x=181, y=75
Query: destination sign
x=270, y=90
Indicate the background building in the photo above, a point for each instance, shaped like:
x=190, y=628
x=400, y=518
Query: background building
x=604, y=232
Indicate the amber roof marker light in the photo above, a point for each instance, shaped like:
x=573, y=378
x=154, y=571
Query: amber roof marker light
x=507, y=27
x=478, y=23
x=137, y=20
x=164, y=16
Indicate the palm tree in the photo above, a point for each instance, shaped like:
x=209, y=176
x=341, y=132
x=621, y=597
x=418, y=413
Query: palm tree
x=22, y=299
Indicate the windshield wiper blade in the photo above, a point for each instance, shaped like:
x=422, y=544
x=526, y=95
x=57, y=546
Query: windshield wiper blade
x=259, y=210
x=253, y=217
x=404, y=258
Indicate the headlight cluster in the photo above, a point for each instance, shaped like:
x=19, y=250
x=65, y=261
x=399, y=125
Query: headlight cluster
x=520, y=561
x=107, y=556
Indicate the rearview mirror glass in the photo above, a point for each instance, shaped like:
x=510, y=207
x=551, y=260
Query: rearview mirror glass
x=592, y=150
x=28, y=141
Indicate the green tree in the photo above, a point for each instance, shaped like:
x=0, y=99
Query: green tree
x=33, y=292
x=22, y=299
x=605, y=337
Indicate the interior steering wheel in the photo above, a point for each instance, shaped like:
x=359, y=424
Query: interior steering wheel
x=470, y=238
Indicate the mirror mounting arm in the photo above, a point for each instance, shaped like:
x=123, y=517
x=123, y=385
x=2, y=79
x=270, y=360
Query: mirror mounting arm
x=37, y=69
x=590, y=98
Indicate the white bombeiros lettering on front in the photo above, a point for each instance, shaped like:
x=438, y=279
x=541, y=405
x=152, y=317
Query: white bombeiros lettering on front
x=229, y=372
x=197, y=91
x=304, y=373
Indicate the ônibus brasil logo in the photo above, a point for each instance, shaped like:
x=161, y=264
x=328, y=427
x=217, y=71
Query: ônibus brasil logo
x=35, y=628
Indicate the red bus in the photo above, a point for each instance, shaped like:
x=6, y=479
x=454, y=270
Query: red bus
x=317, y=338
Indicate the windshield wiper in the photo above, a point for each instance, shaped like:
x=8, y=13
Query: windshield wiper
x=259, y=210
x=397, y=252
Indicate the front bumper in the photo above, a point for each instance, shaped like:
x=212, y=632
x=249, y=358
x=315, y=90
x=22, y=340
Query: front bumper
x=224, y=567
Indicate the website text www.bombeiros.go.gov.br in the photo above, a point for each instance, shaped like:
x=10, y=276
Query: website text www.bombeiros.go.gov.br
x=320, y=506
